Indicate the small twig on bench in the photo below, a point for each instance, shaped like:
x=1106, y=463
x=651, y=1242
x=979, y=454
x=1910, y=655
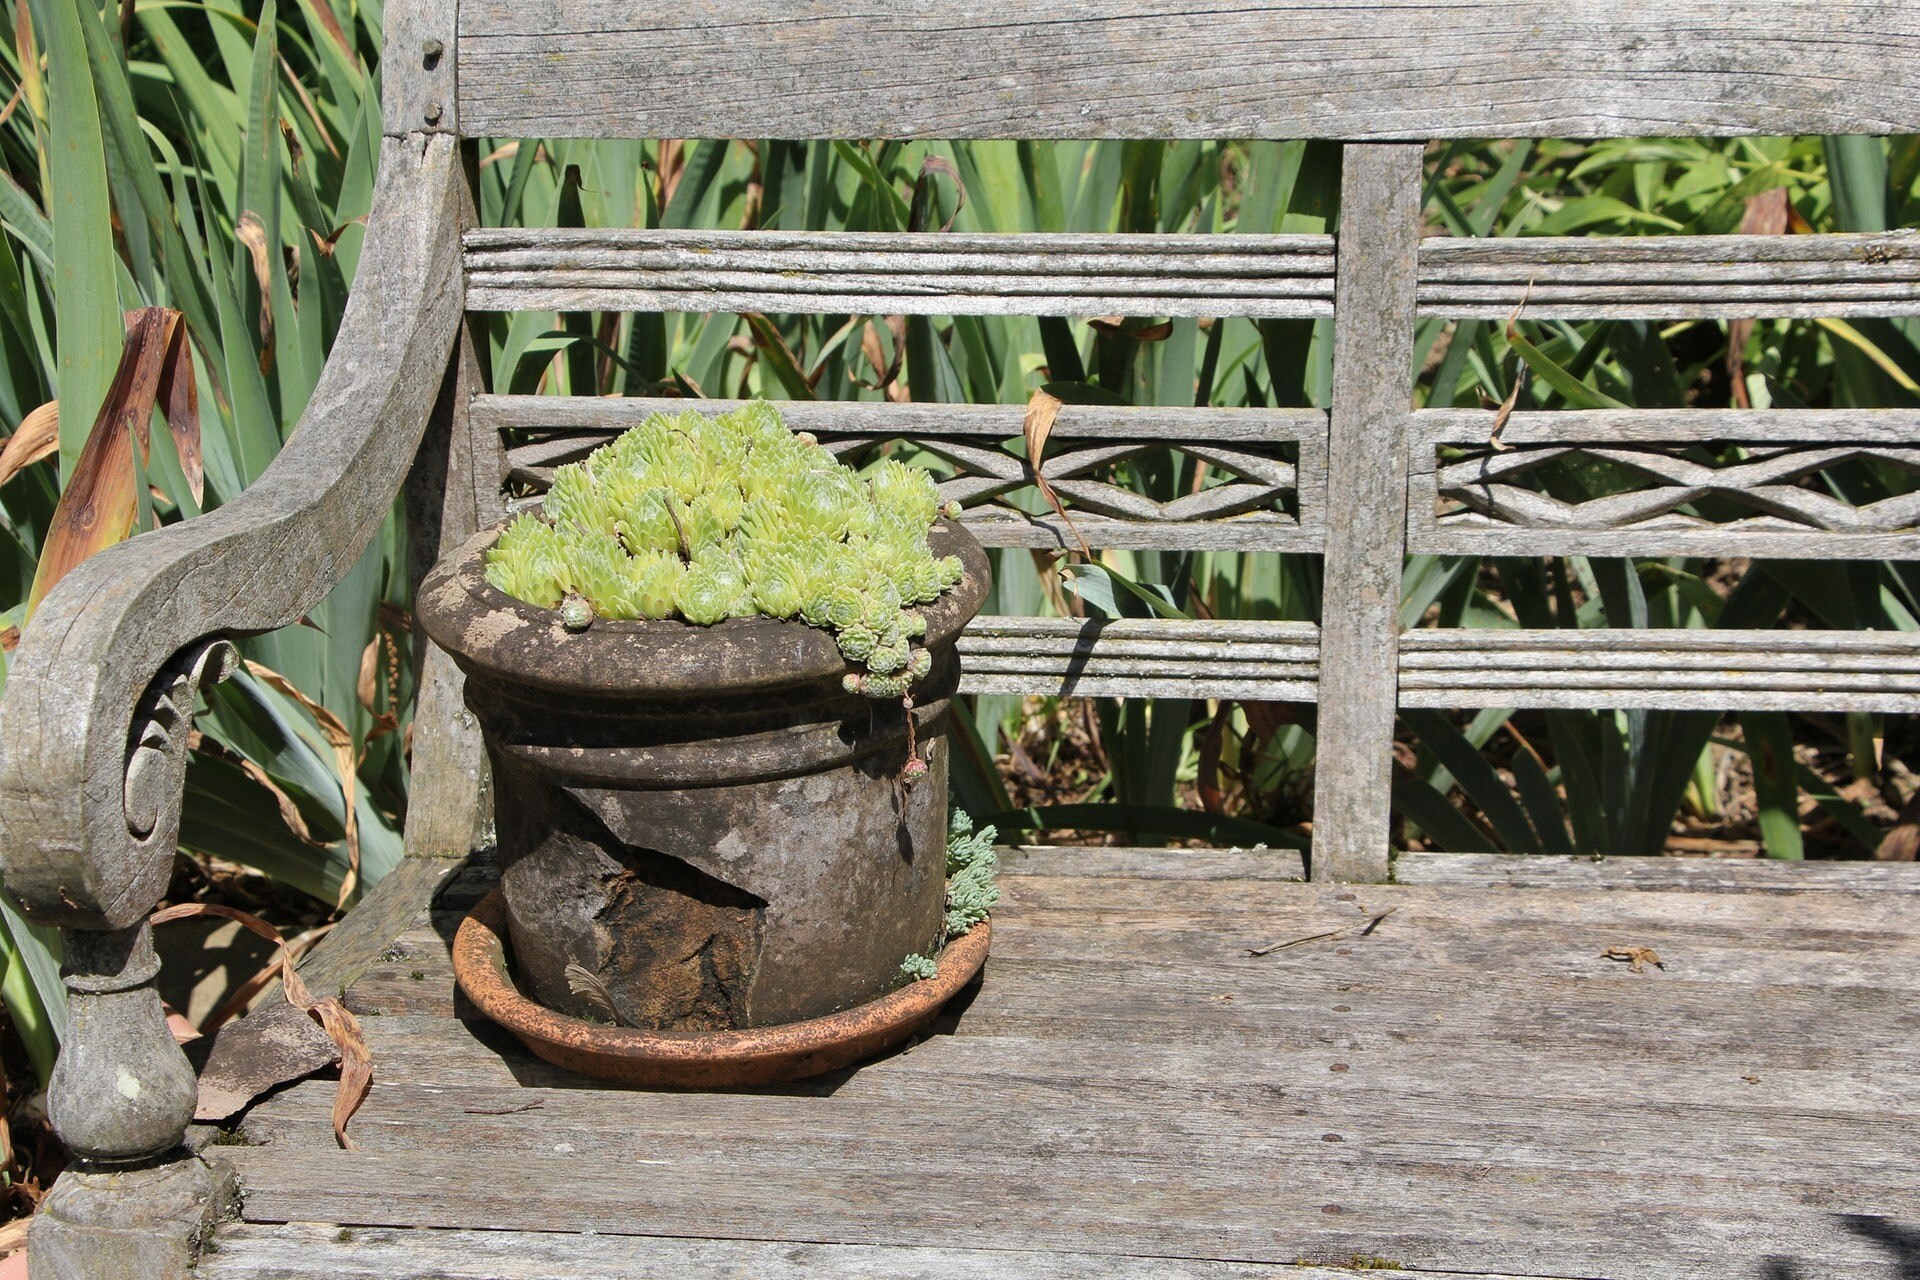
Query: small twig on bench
x=1366, y=927
x=504, y=1111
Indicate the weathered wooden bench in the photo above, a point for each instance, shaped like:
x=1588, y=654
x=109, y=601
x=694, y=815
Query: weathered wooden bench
x=1467, y=1089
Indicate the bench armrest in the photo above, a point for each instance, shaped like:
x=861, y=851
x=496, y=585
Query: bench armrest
x=99, y=699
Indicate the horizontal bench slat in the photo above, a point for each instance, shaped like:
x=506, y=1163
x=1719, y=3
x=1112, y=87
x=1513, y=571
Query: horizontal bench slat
x=1664, y=426
x=923, y=274
x=1402, y=69
x=1660, y=277
x=1671, y=669
x=1145, y=657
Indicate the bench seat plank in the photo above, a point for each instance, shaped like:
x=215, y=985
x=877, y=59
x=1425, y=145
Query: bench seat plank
x=1470, y=1090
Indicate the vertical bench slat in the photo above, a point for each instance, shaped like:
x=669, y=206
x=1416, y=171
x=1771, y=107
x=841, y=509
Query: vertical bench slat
x=1380, y=189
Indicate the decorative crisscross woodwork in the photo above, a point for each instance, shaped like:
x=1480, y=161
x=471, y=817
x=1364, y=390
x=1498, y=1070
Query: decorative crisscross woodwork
x=1254, y=484
x=1770, y=492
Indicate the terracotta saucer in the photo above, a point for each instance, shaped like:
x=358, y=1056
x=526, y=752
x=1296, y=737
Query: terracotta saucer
x=702, y=1059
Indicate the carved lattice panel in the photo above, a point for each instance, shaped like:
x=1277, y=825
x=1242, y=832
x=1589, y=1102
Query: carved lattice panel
x=1241, y=480
x=1636, y=494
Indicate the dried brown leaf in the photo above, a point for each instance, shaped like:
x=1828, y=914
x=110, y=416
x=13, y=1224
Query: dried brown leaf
x=923, y=193
x=289, y=811
x=101, y=501
x=1042, y=410
x=345, y=761
x=1145, y=333
x=1902, y=841
x=356, y=1062
x=180, y=404
x=1768, y=213
x=37, y=437
x=1519, y=375
x=252, y=233
x=1636, y=958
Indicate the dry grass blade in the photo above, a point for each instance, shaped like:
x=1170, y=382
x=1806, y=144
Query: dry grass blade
x=1365, y=927
x=356, y=1062
x=242, y=996
x=923, y=193
x=1519, y=375
x=1766, y=215
x=1042, y=410
x=101, y=501
x=37, y=437
x=323, y=14
x=252, y=233
x=346, y=761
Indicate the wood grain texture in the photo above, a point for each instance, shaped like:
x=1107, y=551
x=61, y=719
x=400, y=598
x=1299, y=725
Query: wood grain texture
x=1137, y=1094
x=285, y=1252
x=359, y=941
x=453, y=492
x=1661, y=668
x=1140, y=657
x=1719, y=875
x=257, y=563
x=1366, y=515
x=934, y=273
x=1308, y=68
x=419, y=68
x=1671, y=277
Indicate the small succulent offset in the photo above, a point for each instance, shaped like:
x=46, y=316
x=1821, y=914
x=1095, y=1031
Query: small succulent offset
x=971, y=892
x=706, y=518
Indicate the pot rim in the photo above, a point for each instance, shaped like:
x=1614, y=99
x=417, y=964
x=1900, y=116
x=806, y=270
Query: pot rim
x=490, y=634
x=703, y=1059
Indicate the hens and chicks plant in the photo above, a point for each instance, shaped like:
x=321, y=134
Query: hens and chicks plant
x=706, y=518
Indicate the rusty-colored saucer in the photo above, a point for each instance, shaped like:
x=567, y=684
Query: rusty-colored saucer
x=702, y=1059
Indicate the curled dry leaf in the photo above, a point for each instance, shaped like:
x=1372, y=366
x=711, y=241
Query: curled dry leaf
x=180, y=404
x=1042, y=410
x=252, y=233
x=37, y=437
x=1635, y=958
x=1519, y=375
x=346, y=761
x=356, y=1062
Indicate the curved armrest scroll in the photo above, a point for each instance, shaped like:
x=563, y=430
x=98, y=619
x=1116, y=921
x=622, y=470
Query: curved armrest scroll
x=73, y=722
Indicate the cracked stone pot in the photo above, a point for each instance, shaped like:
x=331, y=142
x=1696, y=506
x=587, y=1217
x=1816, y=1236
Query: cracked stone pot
x=702, y=818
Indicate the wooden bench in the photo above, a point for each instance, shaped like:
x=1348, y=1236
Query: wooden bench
x=1466, y=1089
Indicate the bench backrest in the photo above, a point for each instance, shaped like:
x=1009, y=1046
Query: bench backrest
x=1361, y=483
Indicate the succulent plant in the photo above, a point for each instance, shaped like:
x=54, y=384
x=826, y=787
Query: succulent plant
x=707, y=518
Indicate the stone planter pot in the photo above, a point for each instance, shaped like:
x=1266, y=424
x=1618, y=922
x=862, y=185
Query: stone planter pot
x=702, y=819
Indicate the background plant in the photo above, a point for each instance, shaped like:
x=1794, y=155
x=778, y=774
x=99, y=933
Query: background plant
x=218, y=163
x=218, y=160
